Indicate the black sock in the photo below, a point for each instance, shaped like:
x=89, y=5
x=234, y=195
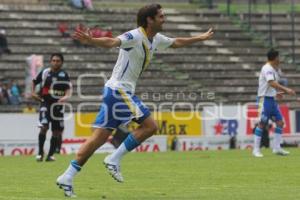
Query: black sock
x=42, y=138
x=59, y=142
x=53, y=143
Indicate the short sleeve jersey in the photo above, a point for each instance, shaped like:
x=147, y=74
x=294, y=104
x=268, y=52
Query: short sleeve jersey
x=53, y=84
x=267, y=74
x=135, y=53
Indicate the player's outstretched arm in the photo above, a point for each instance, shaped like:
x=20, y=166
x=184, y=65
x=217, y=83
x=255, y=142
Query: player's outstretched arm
x=86, y=38
x=286, y=90
x=184, y=41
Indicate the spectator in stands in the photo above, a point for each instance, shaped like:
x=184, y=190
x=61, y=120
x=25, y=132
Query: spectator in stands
x=82, y=4
x=5, y=99
x=63, y=29
x=3, y=42
x=78, y=4
x=88, y=4
x=97, y=32
x=1, y=93
x=29, y=108
x=15, y=97
x=11, y=99
x=80, y=27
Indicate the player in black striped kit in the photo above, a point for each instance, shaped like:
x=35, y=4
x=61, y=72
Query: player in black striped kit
x=55, y=87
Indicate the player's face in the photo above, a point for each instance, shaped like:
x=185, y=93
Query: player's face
x=56, y=62
x=277, y=62
x=158, y=21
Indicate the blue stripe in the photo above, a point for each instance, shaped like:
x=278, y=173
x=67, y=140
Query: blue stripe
x=144, y=62
x=131, y=143
x=75, y=164
x=278, y=130
x=258, y=131
x=125, y=69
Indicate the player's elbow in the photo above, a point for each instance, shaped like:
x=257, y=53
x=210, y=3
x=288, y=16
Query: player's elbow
x=272, y=84
x=154, y=127
x=176, y=44
x=113, y=42
x=151, y=128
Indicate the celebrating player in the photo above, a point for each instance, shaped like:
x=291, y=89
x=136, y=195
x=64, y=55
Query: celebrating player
x=120, y=105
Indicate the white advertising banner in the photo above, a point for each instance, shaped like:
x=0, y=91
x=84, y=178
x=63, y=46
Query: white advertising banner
x=224, y=120
x=28, y=148
x=194, y=143
x=154, y=144
x=18, y=126
x=69, y=146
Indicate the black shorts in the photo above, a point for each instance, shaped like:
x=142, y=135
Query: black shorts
x=53, y=114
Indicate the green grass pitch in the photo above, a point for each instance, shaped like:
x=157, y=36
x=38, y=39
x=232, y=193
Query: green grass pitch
x=210, y=175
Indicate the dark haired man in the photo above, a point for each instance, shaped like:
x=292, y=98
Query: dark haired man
x=268, y=90
x=54, y=90
x=120, y=105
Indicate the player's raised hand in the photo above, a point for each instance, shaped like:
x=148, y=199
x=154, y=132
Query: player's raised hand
x=84, y=37
x=207, y=35
x=291, y=92
x=279, y=95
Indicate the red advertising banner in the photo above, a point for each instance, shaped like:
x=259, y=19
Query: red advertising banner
x=252, y=119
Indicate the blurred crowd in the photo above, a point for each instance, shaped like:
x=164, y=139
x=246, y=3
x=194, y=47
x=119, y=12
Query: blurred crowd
x=3, y=42
x=10, y=93
x=95, y=31
x=82, y=4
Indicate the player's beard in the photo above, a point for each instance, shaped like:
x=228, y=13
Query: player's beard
x=56, y=67
x=158, y=28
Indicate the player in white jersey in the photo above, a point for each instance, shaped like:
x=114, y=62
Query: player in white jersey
x=120, y=105
x=268, y=90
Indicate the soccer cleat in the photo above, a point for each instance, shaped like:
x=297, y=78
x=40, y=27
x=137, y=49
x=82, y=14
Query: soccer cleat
x=281, y=152
x=50, y=159
x=113, y=169
x=257, y=154
x=39, y=158
x=66, y=185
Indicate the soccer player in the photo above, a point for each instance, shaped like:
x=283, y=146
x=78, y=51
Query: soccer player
x=55, y=89
x=120, y=105
x=268, y=90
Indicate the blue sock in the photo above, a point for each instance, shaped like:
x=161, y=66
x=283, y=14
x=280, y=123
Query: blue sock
x=130, y=142
x=278, y=130
x=258, y=131
x=75, y=164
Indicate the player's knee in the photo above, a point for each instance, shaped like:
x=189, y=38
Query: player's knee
x=262, y=125
x=44, y=129
x=153, y=128
x=280, y=124
x=56, y=133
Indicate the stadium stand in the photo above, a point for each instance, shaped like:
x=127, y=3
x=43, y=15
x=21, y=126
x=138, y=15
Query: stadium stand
x=228, y=65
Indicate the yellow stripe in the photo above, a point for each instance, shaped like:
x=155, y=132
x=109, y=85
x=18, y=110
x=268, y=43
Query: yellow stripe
x=143, y=31
x=147, y=56
x=147, y=49
x=260, y=105
x=131, y=107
